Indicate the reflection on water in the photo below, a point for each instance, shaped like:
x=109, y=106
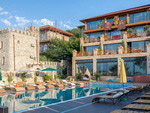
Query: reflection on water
x=25, y=100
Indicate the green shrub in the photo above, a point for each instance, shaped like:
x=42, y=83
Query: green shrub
x=35, y=79
x=56, y=77
x=23, y=76
x=10, y=79
x=78, y=75
x=47, y=78
x=97, y=75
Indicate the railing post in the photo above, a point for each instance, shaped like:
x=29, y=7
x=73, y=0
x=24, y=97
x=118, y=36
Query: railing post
x=148, y=48
x=125, y=35
x=120, y=50
x=95, y=52
x=74, y=53
x=81, y=40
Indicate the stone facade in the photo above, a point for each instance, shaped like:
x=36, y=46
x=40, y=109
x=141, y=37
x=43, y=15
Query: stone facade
x=18, y=48
x=120, y=54
x=49, y=32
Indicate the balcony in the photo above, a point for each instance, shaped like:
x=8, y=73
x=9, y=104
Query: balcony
x=136, y=50
x=119, y=51
x=84, y=54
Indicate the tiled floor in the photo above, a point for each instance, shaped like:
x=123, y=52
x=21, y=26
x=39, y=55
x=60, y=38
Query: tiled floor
x=83, y=105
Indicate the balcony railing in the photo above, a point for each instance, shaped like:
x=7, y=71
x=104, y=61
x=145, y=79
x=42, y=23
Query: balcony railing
x=110, y=52
x=136, y=49
x=138, y=35
x=92, y=40
x=84, y=54
x=114, y=37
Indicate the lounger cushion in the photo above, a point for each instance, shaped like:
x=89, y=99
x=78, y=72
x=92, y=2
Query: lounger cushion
x=118, y=94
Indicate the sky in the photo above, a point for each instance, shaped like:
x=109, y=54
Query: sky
x=63, y=14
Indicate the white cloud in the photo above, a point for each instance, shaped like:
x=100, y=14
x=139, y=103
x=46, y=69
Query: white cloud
x=6, y=22
x=21, y=21
x=1, y=9
x=67, y=26
x=44, y=21
x=4, y=13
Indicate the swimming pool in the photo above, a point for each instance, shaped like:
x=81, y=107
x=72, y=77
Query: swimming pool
x=31, y=99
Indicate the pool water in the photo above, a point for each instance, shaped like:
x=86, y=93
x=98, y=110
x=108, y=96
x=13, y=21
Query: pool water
x=31, y=99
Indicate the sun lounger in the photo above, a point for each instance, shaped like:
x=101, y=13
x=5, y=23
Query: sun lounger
x=49, y=86
x=144, y=97
x=39, y=87
x=30, y=86
x=12, y=87
x=140, y=107
x=2, y=90
x=69, y=83
x=114, y=97
x=121, y=111
x=142, y=101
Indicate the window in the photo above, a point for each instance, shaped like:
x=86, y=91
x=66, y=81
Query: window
x=41, y=48
x=90, y=48
x=113, y=33
x=138, y=17
x=139, y=45
x=82, y=65
x=135, y=66
x=93, y=25
x=122, y=17
x=45, y=47
x=107, y=67
x=3, y=61
x=46, y=35
x=1, y=45
x=149, y=15
x=111, y=47
x=111, y=20
x=95, y=35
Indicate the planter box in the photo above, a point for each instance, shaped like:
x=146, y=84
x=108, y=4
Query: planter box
x=141, y=79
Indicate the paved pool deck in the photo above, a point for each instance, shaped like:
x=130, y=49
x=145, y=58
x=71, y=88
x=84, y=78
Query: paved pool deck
x=82, y=105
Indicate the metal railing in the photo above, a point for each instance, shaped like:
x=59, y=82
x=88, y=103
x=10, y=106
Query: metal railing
x=136, y=49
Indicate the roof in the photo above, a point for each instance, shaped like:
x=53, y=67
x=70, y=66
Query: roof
x=48, y=27
x=140, y=8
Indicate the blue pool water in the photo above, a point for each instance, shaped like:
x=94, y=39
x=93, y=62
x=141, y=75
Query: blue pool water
x=31, y=99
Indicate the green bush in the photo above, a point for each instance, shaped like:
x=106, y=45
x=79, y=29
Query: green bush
x=35, y=79
x=78, y=75
x=10, y=79
x=97, y=75
x=47, y=78
x=23, y=76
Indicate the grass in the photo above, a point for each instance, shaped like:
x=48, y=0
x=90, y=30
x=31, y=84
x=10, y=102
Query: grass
x=93, y=80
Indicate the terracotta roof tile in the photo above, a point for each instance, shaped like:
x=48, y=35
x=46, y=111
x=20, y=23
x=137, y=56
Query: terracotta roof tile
x=48, y=27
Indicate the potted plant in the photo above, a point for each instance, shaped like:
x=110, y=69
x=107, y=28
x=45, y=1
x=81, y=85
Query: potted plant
x=10, y=79
x=105, y=37
x=23, y=76
x=47, y=78
x=100, y=49
x=85, y=38
x=123, y=45
x=99, y=25
x=130, y=33
x=78, y=76
x=97, y=76
x=147, y=30
x=35, y=79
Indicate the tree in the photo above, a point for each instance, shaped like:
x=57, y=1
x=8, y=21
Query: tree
x=76, y=32
x=62, y=50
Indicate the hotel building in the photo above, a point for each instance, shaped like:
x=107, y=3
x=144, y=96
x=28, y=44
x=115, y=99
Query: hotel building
x=110, y=37
x=49, y=32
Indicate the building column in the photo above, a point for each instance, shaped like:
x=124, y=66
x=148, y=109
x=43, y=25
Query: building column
x=74, y=62
x=148, y=59
x=119, y=66
x=73, y=66
x=94, y=66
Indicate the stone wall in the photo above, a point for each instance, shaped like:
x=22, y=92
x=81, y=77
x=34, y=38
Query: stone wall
x=19, y=48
